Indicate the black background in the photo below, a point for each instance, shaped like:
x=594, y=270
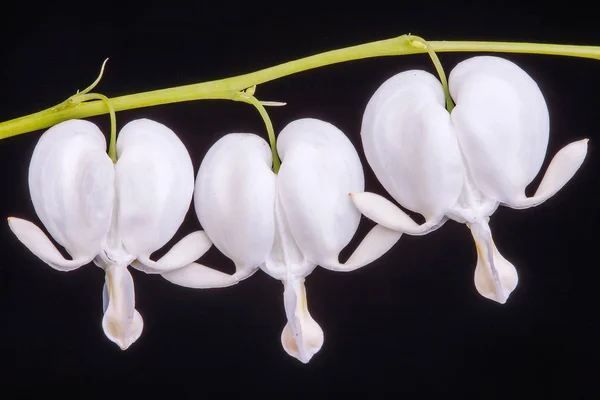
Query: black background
x=411, y=322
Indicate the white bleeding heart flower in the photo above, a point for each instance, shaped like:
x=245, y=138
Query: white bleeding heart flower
x=111, y=214
x=462, y=165
x=284, y=224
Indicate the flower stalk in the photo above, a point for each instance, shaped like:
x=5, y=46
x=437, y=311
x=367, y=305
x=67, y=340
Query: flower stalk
x=228, y=87
x=247, y=96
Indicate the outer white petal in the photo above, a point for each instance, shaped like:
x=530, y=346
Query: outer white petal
x=198, y=276
x=39, y=244
x=302, y=337
x=155, y=183
x=194, y=275
x=562, y=168
x=234, y=198
x=320, y=167
x=386, y=213
x=375, y=244
x=411, y=146
x=121, y=323
x=502, y=124
x=71, y=182
x=183, y=253
x=495, y=277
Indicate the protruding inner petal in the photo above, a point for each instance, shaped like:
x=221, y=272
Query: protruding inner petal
x=185, y=252
x=495, y=277
x=302, y=337
x=40, y=245
x=285, y=257
x=122, y=323
x=198, y=276
x=377, y=242
x=386, y=213
x=562, y=168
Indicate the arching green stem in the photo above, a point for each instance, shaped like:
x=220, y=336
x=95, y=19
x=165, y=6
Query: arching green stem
x=247, y=96
x=422, y=43
x=401, y=45
x=112, y=147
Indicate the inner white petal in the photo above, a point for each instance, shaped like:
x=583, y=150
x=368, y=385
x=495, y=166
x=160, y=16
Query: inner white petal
x=286, y=258
x=113, y=251
x=472, y=205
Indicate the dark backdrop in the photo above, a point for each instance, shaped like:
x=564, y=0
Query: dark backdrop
x=411, y=322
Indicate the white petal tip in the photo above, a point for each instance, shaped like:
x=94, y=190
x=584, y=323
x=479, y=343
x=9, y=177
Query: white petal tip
x=581, y=145
x=500, y=290
x=495, y=277
x=493, y=288
x=500, y=298
x=302, y=349
x=123, y=334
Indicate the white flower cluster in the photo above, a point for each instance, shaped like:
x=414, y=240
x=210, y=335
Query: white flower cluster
x=460, y=165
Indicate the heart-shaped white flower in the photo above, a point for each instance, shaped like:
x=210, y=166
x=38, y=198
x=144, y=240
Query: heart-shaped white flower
x=111, y=214
x=284, y=224
x=462, y=165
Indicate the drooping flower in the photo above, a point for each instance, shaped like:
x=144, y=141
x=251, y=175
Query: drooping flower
x=462, y=165
x=284, y=224
x=111, y=214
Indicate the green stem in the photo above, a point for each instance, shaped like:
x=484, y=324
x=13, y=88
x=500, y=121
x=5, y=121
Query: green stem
x=219, y=88
x=422, y=43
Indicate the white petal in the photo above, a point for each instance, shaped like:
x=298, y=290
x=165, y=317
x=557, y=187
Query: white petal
x=387, y=214
x=562, y=168
x=121, y=323
x=234, y=198
x=285, y=257
x=410, y=144
x=71, y=182
x=155, y=183
x=39, y=244
x=320, y=167
x=183, y=253
x=302, y=337
x=502, y=123
x=495, y=277
x=195, y=275
x=375, y=244
x=198, y=276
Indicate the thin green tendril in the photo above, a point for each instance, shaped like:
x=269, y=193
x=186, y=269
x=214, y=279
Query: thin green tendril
x=93, y=85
